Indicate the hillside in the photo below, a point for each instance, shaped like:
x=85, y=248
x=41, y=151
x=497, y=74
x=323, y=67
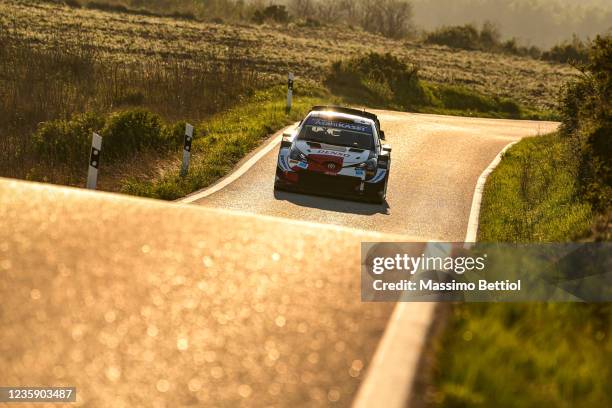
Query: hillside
x=543, y=23
x=274, y=50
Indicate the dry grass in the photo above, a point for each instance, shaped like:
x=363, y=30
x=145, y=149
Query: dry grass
x=274, y=50
x=70, y=75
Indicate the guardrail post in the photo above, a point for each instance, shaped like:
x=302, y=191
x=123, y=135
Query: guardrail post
x=289, y=91
x=94, y=161
x=187, y=149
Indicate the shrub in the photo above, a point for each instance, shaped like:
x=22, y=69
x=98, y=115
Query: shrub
x=174, y=134
x=464, y=37
x=586, y=110
x=569, y=52
x=511, y=46
x=132, y=131
x=380, y=78
x=459, y=98
x=468, y=37
x=124, y=133
x=67, y=141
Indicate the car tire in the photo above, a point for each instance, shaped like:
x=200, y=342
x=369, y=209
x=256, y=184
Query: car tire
x=279, y=187
x=376, y=194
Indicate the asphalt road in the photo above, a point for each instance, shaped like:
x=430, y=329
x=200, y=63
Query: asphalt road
x=142, y=303
x=436, y=161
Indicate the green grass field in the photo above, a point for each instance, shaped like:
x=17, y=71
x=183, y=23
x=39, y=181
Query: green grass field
x=528, y=355
x=532, y=196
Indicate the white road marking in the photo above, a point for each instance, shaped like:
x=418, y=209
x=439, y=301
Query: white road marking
x=394, y=367
x=237, y=173
x=472, y=229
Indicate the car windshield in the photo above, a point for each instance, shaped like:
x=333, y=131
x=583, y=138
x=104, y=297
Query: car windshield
x=339, y=132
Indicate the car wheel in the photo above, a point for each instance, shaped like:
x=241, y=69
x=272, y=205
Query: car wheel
x=376, y=195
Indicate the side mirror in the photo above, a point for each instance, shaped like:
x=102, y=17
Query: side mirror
x=382, y=135
x=386, y=148
x=289, y=133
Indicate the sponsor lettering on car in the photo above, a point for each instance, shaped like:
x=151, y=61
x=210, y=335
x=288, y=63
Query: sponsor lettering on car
x=357, y=127
x=332, y=153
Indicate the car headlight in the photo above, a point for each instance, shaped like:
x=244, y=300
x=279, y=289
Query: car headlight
x=370, y=167
x=295, y=154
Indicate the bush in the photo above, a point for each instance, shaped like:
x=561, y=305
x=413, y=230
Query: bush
x=575, y=51
x=67, y=141
x=132, y=131
x=384, y=80
x=380, y=79
x=117, y=8
x=458, y=98
x=464, y=37
x=586, y=110
x=511, y=46
x=462, y=99
x=124, y=133
x=468, y=37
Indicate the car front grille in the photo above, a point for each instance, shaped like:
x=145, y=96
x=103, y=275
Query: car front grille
x=327, y=182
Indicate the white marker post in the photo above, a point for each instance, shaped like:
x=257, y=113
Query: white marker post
x=289, y=91
x=187, y=149
x=94, y=161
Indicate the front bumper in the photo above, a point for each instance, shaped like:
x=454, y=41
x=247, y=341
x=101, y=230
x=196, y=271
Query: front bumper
x=314, y=181
x=349, y=182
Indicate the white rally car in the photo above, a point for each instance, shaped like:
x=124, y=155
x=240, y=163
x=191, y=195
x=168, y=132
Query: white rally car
x=337, y=151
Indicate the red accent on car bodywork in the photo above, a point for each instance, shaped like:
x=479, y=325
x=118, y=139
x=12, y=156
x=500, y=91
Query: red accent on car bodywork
x=291, y=177
x=323, y=163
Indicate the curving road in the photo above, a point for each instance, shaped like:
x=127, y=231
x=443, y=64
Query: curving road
x=143, y=303
x=436, y=161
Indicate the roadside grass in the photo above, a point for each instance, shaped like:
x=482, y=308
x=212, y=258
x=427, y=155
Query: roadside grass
x=532, y=196
x=525, y=355
x=528, y=355
x=225, y=138
x=385, y=81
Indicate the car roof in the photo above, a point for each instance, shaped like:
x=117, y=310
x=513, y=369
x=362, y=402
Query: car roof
x=351, y=111
x=334, y=114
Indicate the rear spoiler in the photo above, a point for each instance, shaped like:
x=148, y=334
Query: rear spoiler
x=350, y=111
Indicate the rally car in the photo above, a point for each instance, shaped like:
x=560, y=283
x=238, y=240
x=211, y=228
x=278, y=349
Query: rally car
x=337, y=151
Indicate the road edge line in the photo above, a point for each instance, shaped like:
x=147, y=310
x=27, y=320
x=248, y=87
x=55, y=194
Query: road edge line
x=472, y=229
x=395, y=365
x=275, y=139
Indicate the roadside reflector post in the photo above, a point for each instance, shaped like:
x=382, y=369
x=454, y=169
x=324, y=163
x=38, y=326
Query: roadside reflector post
x=187, y=149
x=289, y=91
x=94, y=161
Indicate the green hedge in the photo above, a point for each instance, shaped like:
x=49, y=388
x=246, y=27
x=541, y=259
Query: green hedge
x=124, y=133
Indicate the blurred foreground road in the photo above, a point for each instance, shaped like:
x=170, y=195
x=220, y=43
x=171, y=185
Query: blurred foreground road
x=143, y=303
